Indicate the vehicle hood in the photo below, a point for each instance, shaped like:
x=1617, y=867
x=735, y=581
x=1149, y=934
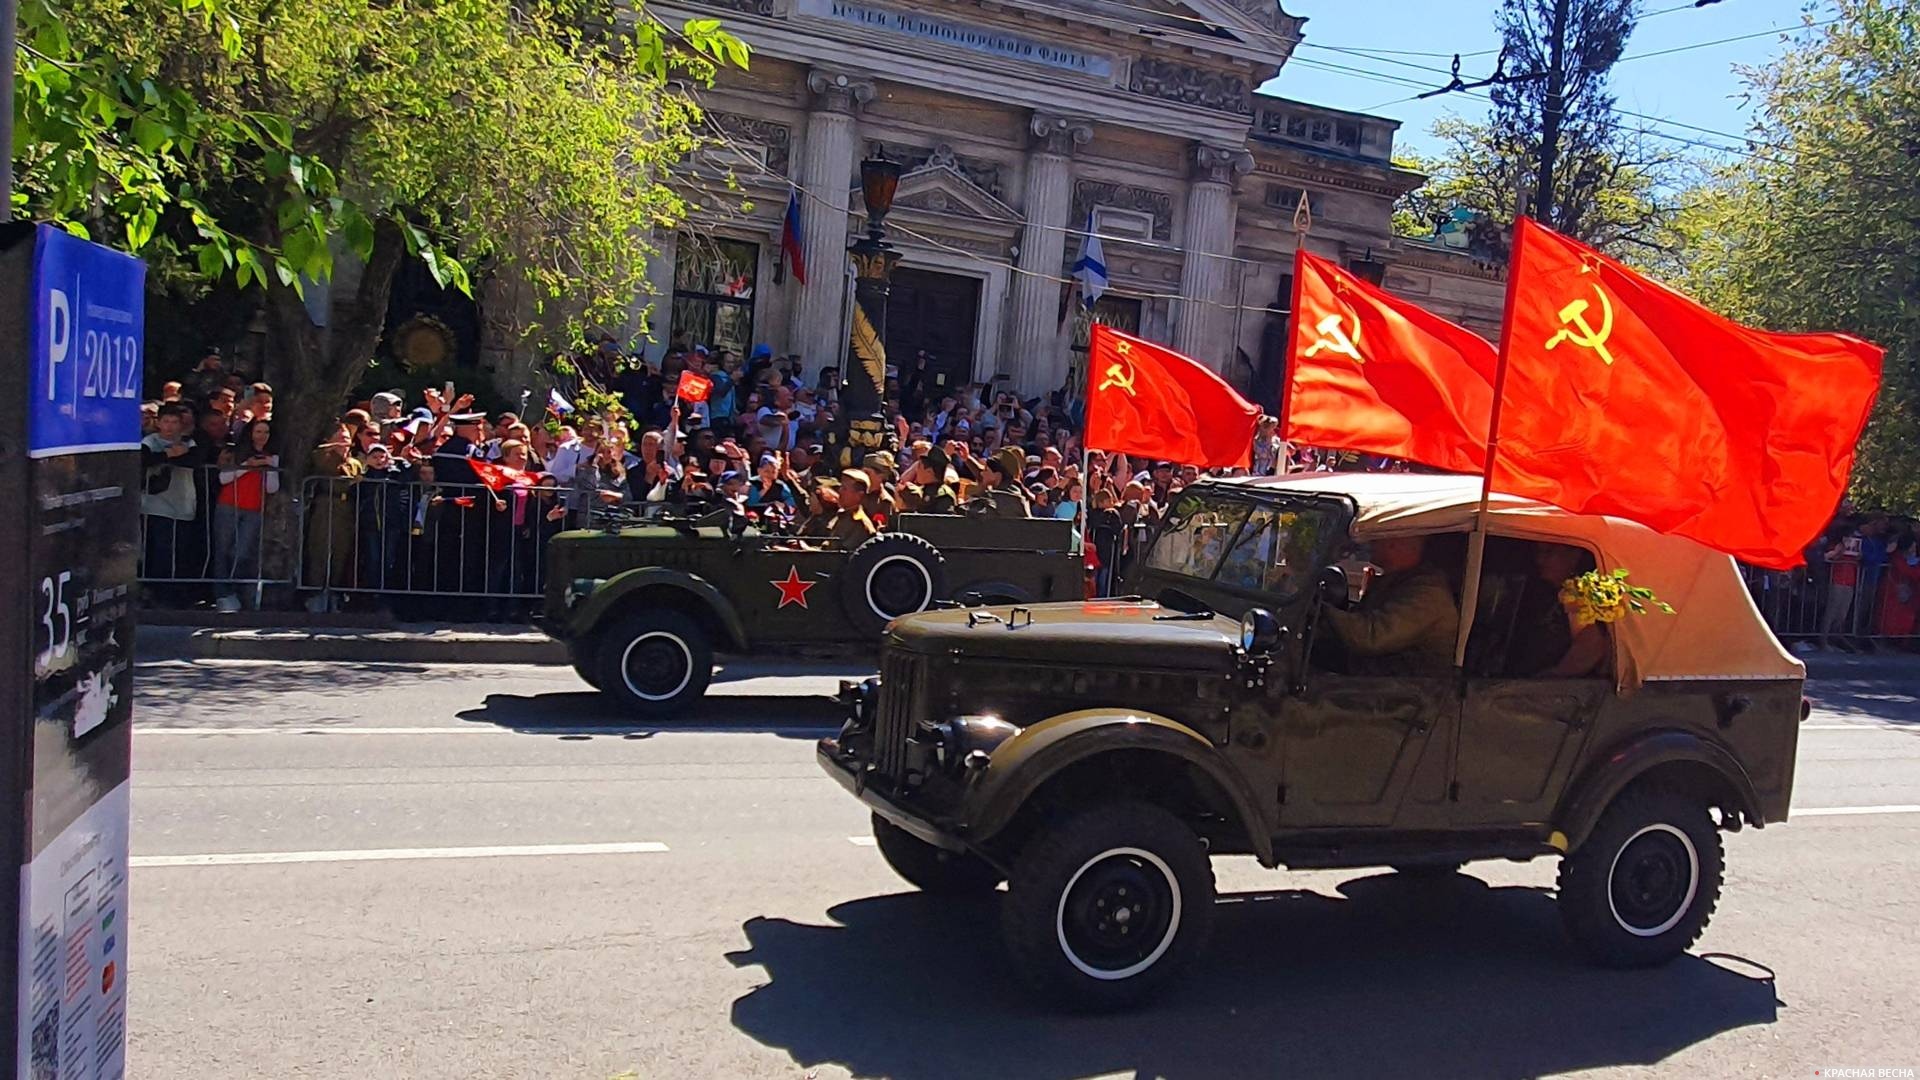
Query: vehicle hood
x=1122, y=633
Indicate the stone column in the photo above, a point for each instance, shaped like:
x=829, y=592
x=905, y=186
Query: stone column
x=1203, y=323
x=1034, y=346
x=826, y=174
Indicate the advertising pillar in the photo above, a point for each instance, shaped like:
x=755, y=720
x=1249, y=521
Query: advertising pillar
x=72, y=315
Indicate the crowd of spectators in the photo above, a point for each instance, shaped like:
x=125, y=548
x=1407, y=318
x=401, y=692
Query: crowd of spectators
x=395, y=506
x=444, y=512
x=1860, y=585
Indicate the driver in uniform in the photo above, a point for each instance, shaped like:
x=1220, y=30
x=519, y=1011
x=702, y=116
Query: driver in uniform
x=1407, y=622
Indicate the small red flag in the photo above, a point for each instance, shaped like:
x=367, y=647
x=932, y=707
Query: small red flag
x=1369, y=371
x=1623, y=397
x=693, y=386
x=499, y=477
x=1148, y=400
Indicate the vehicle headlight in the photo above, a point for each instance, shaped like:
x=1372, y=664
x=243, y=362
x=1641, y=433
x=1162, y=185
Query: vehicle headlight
x=1259, y=632
x=961, y=736
x=580, y=588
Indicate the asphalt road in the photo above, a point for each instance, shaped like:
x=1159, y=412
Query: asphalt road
x=478, y=872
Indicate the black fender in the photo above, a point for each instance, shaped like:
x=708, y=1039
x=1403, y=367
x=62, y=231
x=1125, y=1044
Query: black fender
x=1602, y=781
x=699, y=594
x=1023, y=764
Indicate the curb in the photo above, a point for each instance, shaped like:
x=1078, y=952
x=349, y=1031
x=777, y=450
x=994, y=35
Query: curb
x=336, y=645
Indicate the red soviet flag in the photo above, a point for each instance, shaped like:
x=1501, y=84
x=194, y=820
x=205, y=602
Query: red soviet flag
x=499, y=477
x=693, y=386
x=1147, y=400
x=1623, y=397
x=1369, y=371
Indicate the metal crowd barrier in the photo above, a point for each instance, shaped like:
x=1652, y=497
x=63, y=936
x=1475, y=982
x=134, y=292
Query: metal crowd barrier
x=199, y=534
x=405, y=537
x=1806, y=605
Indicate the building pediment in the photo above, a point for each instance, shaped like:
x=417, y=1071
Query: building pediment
x=938, y=187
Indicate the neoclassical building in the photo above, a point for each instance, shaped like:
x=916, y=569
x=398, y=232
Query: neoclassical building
x=1020, y=124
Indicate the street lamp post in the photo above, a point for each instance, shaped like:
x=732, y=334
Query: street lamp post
x=860, y=427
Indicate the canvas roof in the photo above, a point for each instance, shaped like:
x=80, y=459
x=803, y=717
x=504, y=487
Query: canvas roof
x=1716, y=632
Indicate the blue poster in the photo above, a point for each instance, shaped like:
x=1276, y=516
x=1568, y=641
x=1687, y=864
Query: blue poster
x=88, y=339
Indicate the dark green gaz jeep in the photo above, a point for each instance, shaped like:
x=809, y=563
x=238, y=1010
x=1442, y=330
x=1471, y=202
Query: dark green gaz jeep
x=643, y=607
x=1094, y=755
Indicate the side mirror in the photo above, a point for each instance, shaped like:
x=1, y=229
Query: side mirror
x=1333, y=584
x=1260, y=632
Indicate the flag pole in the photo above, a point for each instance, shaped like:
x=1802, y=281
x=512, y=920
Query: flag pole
x=1286, y=366
x=1477, y=542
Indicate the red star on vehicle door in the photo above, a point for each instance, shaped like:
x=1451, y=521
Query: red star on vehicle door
x=794, y=589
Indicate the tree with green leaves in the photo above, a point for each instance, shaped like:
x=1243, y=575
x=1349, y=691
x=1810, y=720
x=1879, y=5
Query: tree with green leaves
x=1629, y=210
x=279, y=146
x=1818, y=226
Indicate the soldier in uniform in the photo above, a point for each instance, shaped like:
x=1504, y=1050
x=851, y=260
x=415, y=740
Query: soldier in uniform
x=1407, y=621
x=1004, y=497
x=851, y=526
x=928, y=485
x=823, y=505
x=880, y=504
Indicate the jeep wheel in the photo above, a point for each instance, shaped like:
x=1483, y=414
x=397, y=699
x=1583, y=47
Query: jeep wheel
x=580, y=655
x=1640, y=890
x=930, y=869
x=1105, y=907
x=655, y=663
x=891, y=575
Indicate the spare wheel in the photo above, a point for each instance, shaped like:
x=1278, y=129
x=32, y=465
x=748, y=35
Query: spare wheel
x=891, y=575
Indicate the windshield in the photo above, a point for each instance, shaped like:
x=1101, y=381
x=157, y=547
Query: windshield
x=1270, y=548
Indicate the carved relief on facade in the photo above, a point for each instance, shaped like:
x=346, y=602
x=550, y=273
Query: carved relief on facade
x=775, y=138
x=1170, y=81
x=1088, y=194
x=1270, y=13
x=983, y=173
x=1058, y=134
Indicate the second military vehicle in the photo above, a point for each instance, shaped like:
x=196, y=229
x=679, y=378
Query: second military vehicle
x=645, y=606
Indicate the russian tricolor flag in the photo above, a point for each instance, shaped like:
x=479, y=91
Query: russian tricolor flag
x=792, y=242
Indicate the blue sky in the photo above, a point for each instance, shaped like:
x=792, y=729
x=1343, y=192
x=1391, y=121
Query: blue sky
x=1697, y=86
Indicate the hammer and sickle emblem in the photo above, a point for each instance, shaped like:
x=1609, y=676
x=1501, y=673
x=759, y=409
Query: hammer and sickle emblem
x=1333, y=338
x=1574, y=315
x=1120, y=375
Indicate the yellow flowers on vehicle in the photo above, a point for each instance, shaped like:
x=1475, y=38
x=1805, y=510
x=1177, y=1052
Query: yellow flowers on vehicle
x=1602, y=597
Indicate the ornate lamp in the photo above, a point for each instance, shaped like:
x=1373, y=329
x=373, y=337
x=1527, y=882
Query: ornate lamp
x=861, y=428
x=879, y=179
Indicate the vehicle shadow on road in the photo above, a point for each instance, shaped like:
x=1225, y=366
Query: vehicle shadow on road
x=1392, y=978
x=587, y=713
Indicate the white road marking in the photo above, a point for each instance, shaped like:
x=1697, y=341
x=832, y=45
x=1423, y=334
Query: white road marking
x=1838, y=811
x=1853, y=727
x=258, y=858
x=470, y=729
x=861, y=841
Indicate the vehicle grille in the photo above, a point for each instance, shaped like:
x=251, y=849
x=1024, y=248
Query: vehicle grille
x=901, y=679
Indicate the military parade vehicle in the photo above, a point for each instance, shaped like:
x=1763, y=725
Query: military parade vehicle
x=644, y=605
x=1094, y=755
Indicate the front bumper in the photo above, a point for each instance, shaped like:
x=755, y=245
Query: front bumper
x=850, y=772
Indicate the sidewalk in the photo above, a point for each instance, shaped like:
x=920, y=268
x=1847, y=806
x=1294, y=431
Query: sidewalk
x=413, y=643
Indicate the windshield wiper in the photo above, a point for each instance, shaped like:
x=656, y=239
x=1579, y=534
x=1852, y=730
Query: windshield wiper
x=1184, y=616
